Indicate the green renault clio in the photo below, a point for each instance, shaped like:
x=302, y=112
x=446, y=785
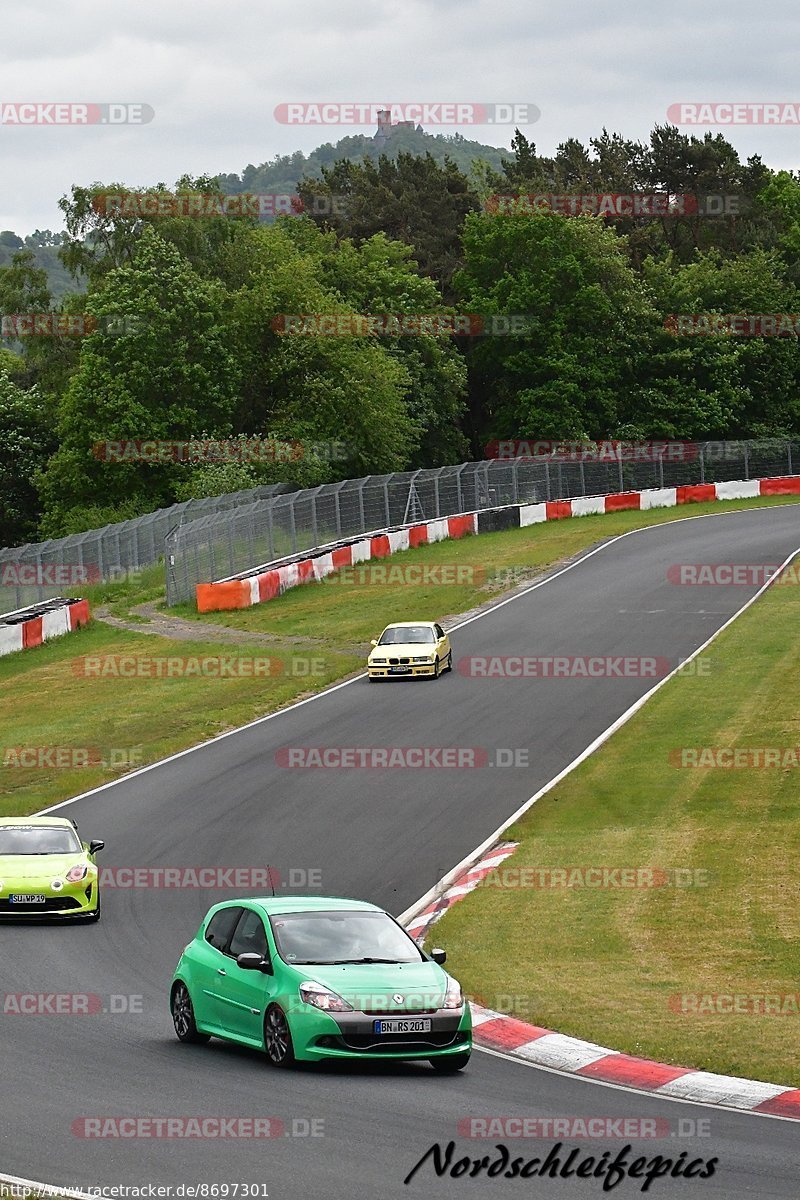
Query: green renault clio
x=312, y=978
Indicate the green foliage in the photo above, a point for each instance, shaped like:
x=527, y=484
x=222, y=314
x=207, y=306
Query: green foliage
x=168, y=373
x=577, y=368
x=26, y=442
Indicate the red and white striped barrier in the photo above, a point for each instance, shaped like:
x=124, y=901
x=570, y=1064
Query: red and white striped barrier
x=19, y=631
x=241, y=593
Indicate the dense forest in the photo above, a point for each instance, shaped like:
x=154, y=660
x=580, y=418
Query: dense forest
x=184, y=315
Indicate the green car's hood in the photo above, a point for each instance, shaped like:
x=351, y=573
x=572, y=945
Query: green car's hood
x=420, y=985
x=37, y=866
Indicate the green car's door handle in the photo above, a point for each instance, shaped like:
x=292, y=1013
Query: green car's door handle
x=221, y=971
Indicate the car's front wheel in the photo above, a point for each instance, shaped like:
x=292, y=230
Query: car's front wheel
x=183, y=1016
x=451, y=1063
x=278, y=1037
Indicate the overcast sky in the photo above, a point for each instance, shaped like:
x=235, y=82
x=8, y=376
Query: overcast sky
x=215, y=70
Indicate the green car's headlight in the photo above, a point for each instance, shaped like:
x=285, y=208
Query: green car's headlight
x=453, y=997
x=77, y=873
x=322, y=997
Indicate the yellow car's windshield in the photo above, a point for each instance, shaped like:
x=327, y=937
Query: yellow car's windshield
x=407, y=635
x=38, y=839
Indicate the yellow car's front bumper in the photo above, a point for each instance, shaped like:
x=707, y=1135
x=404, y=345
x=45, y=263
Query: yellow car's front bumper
x=406, y=671
x=80, y=899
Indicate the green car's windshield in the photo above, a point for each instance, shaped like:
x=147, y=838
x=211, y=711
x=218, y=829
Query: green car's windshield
x=407, y=635
x=342, y=937
x=38, y=839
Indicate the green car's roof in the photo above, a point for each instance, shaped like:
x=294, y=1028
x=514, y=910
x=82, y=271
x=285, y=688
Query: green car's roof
x=51, y=821
x=287, y=904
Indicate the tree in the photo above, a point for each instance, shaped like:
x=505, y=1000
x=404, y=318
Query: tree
x=27, y=439
x=589, y=323
x=411, y=199
x=159, y=366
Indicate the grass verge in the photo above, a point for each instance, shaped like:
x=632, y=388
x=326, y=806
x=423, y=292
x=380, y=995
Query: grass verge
x=635, y=968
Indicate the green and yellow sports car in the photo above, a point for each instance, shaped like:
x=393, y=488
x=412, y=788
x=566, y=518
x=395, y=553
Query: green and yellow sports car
x=410, y=648
x=315, y=978
x=46, y=870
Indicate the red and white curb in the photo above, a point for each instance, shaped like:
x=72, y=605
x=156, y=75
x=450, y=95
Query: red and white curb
x=19, y=631
x=558, y=1052
x=419, y=925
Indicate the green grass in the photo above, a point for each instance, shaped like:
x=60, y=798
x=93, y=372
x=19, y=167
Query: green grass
x=46, y=702
x=603, y=964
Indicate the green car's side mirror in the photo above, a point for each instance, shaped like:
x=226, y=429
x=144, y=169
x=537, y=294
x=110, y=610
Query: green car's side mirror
x=95, y=846
x=254, y=962
x=439, y=956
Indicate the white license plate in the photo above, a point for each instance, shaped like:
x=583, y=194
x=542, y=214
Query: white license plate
x=19, y=899
x=404, y=1025
x=399, y=670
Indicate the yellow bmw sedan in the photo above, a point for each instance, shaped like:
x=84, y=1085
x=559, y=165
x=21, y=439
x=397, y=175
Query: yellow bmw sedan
x=410, y=648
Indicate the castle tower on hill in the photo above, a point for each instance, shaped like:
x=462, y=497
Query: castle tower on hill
x=386, y=128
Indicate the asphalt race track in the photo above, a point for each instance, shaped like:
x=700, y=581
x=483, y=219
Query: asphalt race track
x=386, y=836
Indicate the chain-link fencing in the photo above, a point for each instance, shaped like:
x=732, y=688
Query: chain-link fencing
x=226, y=544
x=62, y=566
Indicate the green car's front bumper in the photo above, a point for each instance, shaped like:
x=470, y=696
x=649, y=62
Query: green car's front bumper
x=317, y=1035
x=73, y=900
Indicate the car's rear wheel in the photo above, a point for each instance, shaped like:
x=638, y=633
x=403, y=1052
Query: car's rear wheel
x=183, y=1017
x=451, y=1063
x=278, y=1037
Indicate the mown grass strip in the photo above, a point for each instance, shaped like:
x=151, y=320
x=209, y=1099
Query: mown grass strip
x=650, y=969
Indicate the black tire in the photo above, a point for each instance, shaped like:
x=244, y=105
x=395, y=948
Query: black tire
x=278, y=1037
x=451, y=1063
x=450, y=660
x=183, y=1017
x=437, y=668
